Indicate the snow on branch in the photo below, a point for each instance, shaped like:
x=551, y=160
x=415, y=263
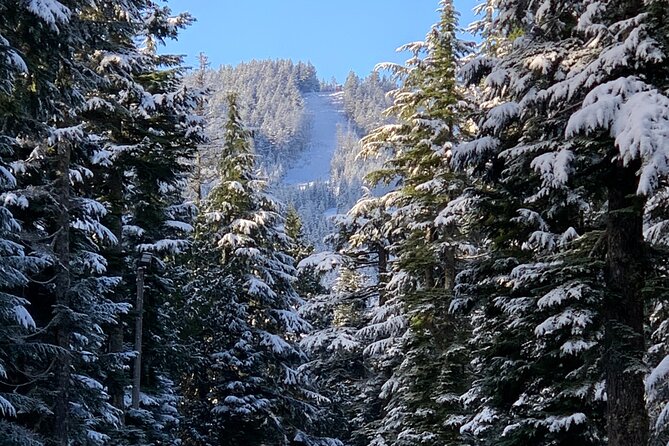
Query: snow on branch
x=554, y=167
x=50, y=11
x=637, y=117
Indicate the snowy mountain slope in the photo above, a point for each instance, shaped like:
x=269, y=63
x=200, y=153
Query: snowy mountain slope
x=325, y=111
x=306, y=185
x=327, y=177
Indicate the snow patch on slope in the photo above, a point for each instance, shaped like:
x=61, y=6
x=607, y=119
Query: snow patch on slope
x=326, y=113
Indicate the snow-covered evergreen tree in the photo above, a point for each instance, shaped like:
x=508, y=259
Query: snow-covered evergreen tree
x=245, y=387
x=149, y=136
x=336, y=361
x=61, y=217
x=362, y=240
x=656, y=386
x=571, y=153
x=80, y=97
x=423, y=391
x=15, y=319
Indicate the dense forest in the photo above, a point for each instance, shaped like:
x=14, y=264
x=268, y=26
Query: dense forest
x=495, y=272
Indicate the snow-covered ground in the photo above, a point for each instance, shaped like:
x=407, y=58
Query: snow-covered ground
x=329, y=213
x=326, y=113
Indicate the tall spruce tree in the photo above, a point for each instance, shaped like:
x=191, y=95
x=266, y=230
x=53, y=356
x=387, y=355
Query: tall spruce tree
x=82, y=63
x=61, y=218
x=565, y=145
x=423, y=397
x=656, y=385
x=362, y=242
x=245, y=387
x=16, y=321
x=336, y=361
x=149, y=133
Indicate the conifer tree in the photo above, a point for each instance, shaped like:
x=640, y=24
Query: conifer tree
x=62, y=219
x=362, y=242
x=15, y=318
x=656, y=386
x=60, y=129
x=335, y=351
x=149, y=139
x=560, y=84
x=245, y=387
x=423, y=392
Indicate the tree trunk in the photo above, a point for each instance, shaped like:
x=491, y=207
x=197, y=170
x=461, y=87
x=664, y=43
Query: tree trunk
x=116, y=379
x=429, y=269
x=137, y=368
x=627, y=419
x=115, y=268
x=383, y=272
x=449, y=269
x=197, y=179
x=62, y=297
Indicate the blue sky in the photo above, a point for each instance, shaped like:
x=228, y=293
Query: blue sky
x=336, y=36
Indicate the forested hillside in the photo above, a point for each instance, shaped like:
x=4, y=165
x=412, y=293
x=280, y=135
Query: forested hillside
x=271, y=100
x=365, y=100
x=295, y=126
x=470, y=252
